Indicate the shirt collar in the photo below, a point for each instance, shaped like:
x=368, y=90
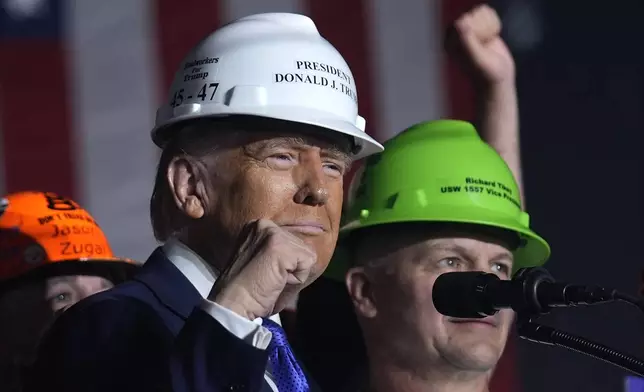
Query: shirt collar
x=194, y=268
x=191, y=265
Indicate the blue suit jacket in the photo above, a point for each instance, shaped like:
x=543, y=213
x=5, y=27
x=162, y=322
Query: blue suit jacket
x=145, y=335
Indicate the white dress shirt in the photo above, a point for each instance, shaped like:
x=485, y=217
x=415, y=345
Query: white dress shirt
x=203, y=276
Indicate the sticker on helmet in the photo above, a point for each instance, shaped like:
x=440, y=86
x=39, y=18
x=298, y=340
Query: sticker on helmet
x=481, y=186
x=355, y=187
x=336, y=79
x=82, y=249
x=34, y=254
x=196, y=70
x=205, y=91
x=4, y=204
x=59, y=203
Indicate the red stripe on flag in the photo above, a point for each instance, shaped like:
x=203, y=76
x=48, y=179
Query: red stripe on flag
x=343, y=23
x=36, y=117
x=180, y=26
x=461, y=99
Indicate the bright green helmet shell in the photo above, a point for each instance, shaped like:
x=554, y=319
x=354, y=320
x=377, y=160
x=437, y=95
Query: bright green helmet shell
x=438, y=171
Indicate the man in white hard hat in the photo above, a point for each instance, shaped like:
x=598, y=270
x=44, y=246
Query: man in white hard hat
x=259, y=128
x=333, y=348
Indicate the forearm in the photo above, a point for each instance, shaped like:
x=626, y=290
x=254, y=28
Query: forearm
x=499, y=125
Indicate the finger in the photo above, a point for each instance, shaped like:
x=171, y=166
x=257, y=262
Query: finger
x=298, y=277
x=485, y=21
x=247, y=239
x=297, y=257
x=295, y=241
x=492, y=25
x=302, y=246
x=299, y=261
x=464, y=22
x=263, y=224
x=302, y=271
x=306, y=261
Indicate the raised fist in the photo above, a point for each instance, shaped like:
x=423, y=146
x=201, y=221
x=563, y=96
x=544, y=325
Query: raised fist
x=478, y=33
x=270, y=267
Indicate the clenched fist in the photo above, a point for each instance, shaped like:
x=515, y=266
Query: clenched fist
x=270, y=267
x=479, y=36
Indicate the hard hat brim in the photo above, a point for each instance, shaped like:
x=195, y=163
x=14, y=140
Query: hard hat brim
x=169, y=116
x=535, y=252
x=114, y=269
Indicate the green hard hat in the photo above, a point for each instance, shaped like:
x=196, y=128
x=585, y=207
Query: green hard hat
x=438, y=171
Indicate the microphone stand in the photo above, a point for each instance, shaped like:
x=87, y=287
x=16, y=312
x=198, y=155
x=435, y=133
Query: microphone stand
x=543, y=334
x=539, y=333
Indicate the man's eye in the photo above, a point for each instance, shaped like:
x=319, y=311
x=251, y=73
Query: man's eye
x=450, y=262
x=60, y=297
x=285, y=157
x=501, y=268
x=281, y=161
x=334, y=168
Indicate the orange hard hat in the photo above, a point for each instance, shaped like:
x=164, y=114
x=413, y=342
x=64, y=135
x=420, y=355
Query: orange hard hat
x=44, y=234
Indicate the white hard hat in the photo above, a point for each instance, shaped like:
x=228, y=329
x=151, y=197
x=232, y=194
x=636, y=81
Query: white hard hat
x=273, y=65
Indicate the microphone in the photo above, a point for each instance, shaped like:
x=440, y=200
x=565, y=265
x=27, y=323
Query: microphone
x=531, y=291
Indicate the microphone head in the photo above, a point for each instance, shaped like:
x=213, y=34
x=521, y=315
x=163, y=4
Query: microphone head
x=462, y=294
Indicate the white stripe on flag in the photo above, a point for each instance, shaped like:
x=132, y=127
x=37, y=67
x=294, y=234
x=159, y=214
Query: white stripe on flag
x=234, y=9
x=407, y=51
x=114, y=81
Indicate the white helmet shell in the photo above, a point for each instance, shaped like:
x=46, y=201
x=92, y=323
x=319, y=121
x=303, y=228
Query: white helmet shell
x=273, y=65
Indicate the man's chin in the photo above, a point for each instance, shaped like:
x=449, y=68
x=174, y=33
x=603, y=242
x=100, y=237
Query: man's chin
x=475, y=356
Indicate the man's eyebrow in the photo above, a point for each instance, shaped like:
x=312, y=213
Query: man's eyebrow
x=58, y=279
x=331, y=151
x=282, y=141
x=334, y=152
x=445, y=246
x=500, y=256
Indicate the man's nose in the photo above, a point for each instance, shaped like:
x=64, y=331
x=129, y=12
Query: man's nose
x=313, y=188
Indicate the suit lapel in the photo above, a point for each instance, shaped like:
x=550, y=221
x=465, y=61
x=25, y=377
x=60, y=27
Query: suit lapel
x=168, y=284
x=176, y=292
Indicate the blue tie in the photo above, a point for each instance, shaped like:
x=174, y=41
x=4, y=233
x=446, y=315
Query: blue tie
x=287, y=374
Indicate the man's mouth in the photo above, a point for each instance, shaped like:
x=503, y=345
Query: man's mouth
x=305, y=227
x=487, y=321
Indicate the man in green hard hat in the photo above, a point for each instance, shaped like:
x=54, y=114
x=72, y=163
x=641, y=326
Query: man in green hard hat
x=437, y=200
x=326, y=324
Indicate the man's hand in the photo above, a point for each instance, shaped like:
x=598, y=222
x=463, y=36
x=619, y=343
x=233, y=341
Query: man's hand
x=255, y=282
x=479, y=34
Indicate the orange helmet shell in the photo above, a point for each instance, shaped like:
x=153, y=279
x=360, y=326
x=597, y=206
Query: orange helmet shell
x=39, y=228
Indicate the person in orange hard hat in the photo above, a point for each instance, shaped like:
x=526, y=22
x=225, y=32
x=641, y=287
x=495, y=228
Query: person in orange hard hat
x=52, y=255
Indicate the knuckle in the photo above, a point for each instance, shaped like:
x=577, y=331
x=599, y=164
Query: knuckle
x=310, y=257
x=273, y=239
x=264, y=223
x=274, y=232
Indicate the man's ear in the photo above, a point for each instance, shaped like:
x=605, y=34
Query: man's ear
x=360, y=286
x=187, y=187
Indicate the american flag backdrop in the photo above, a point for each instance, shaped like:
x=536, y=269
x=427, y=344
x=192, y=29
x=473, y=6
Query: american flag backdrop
x=80, y=81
